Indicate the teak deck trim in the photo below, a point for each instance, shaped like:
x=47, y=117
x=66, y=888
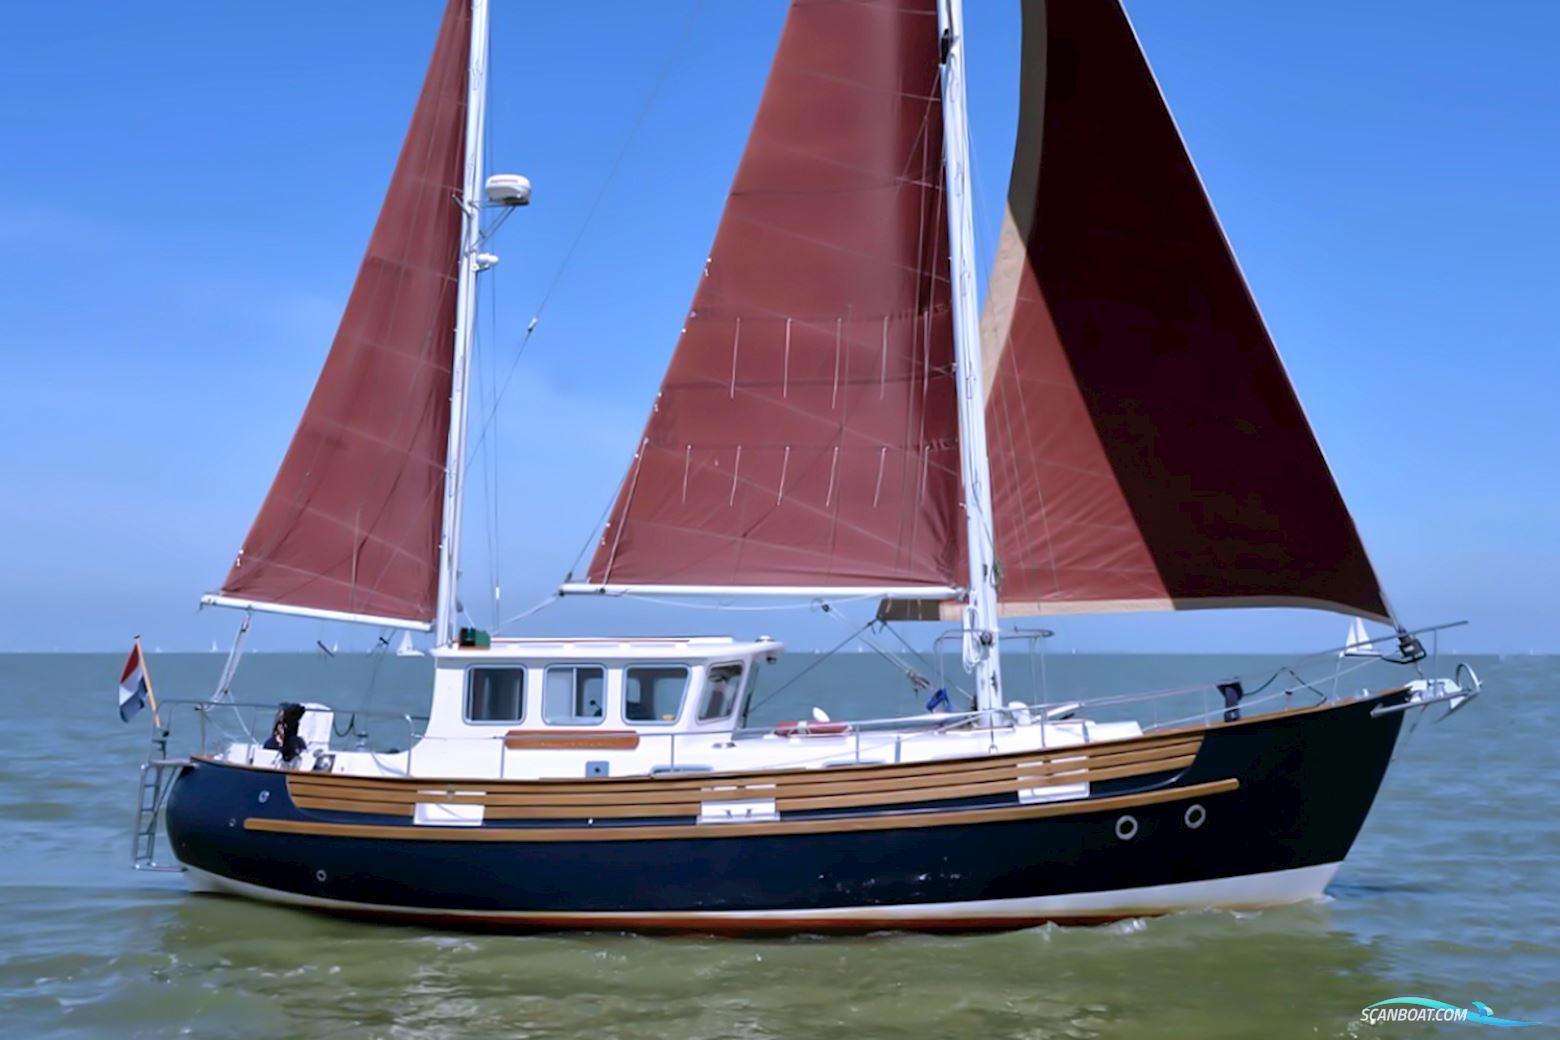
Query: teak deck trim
x=543, y=792
x=778, y=828
x=619, y=790
x=395, y=800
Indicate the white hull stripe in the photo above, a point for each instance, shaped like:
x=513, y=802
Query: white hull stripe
x=1245, y=892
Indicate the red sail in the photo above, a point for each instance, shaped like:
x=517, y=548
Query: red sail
x=352, y=521
x=1148, y=450
x=805, y=434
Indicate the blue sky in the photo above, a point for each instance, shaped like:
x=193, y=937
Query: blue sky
x=187, y=188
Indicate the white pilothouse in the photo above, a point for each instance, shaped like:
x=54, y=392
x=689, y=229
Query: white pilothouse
x=560, y=708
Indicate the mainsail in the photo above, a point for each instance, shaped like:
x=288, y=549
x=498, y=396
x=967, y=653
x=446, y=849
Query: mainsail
x=805, y=435
x=351, y=525
x=1147, y=448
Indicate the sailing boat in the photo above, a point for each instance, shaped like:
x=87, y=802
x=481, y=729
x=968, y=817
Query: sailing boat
x=1114, y=432
x=405, y=648
x=1359, y=643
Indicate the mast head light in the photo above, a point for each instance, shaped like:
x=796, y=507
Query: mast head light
x=509, y=189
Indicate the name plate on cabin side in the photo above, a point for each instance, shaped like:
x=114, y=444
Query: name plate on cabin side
x=571, y=740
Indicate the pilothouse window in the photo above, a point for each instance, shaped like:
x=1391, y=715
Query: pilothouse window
x=654, y=693
x=574, y=694
x=495, y=694
x=720, y=692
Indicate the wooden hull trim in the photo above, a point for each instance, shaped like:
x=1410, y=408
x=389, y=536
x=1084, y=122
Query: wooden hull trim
x=913, y=820
x=1068, y=766
x=542, y=803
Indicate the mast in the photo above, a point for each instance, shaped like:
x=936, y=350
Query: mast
x=465, y=324
x=981, y=648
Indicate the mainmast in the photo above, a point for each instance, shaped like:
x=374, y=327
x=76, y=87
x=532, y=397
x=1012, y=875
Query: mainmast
x=981, y=648
x=465, y=324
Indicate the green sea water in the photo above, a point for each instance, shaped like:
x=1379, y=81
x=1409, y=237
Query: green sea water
x=1452, y=892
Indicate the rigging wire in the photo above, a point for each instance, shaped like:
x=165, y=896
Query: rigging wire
x=495, y=390
x=919, y=680
x=491, y=447
x=492, y=473
x=496, y=566
x=590, y=537
x=640, y=118
x=772, y=694
x=921, y=657
x=538, y=608
x=486, y=454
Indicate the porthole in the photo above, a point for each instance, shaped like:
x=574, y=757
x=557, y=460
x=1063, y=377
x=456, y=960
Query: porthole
x=1195, y=815
x=265, y=796
x=319, y=875
x=1126, y=828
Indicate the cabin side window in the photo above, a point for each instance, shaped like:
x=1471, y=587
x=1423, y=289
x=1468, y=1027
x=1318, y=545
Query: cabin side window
x=721, y=687
x=495, y=694
x=574, y=694
x=654, y=693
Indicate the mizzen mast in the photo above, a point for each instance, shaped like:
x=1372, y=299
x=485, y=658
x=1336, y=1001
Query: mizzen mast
x=981, y=648
x=448, y=607
x=352, y=528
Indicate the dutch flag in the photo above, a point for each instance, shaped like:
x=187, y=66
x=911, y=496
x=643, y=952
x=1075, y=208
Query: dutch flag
x=135, y=687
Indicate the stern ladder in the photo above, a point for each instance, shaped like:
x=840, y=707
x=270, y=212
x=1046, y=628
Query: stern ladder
x=158, y=774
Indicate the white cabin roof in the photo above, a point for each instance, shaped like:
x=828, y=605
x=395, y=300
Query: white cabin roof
x=614, y=648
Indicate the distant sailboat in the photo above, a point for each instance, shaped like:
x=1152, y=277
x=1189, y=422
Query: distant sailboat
x=838, y=421
x=406, y=649
x=1359, y=643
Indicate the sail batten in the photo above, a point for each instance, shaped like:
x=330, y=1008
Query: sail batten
x=805, y=434
x=351, y=526
x=1148, y=450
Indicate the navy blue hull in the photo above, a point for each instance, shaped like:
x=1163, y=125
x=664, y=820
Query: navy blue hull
x=1306, y=781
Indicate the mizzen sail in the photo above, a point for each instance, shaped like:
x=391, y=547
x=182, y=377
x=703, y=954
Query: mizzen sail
x=351, y=525
x=805, y=435
x=1148, y=450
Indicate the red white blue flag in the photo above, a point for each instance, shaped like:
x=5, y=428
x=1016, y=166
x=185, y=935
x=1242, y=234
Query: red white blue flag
x=135, y=686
